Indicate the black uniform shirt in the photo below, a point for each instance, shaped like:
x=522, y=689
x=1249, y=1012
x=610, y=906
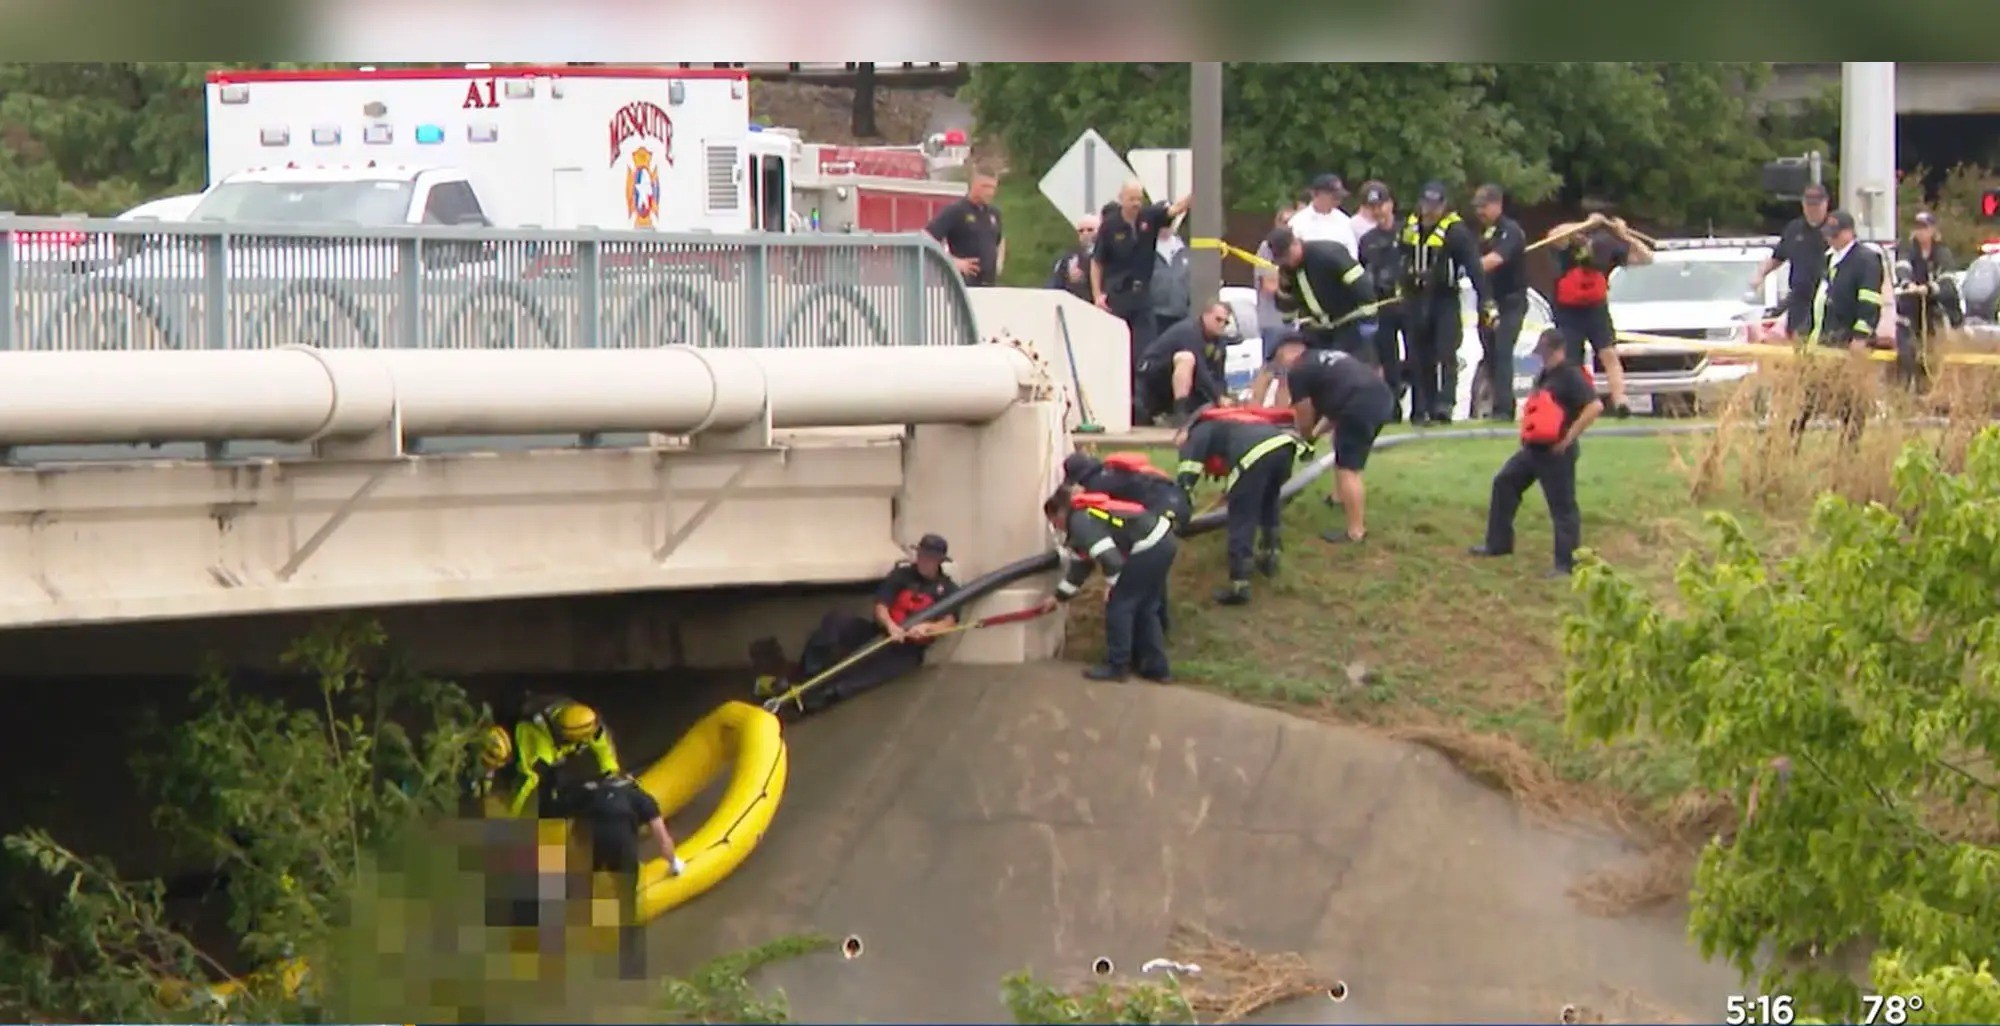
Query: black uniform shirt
x=1078, y=258
x=1506, y=238
x=1102, y=539
x=1338, y=283
x=970, y=231
x=1567, y=385
x=1129, y=250
x=907, y=592
x=1334, y=381
x=616, y=809
x=1217, y=448
x=1804, y=246
x=1853, y=297
x=1382, y=257
x=1211, y=355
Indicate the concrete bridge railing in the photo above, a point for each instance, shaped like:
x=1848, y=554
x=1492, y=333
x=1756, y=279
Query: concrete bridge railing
x=87, y=284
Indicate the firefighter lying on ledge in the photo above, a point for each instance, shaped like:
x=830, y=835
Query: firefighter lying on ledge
x=909, y=589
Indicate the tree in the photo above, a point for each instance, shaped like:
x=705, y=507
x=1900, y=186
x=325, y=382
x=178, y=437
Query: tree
x=1845, y=695
x=863, y=124
x=1674, y=142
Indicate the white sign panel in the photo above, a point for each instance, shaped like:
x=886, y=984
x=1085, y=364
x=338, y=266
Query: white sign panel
x=1168, y=174
x=1086, y=177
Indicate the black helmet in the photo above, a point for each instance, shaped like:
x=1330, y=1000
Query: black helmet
x=1079, y=465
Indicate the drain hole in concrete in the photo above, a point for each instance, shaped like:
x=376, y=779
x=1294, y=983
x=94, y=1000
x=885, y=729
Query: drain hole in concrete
x=1568, y=1016
x=851, y=947
x=1337, y=992
x=1103, y=967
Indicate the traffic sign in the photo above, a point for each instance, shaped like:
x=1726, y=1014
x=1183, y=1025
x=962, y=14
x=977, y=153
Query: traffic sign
x=1086, y=177
x=1168, y=174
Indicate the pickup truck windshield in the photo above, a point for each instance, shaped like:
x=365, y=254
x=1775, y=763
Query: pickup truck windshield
x=372, y=204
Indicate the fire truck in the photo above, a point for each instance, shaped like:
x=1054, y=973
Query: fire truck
x=645, y=148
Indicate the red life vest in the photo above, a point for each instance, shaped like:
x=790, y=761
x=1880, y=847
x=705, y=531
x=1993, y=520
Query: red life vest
x=1276, y=416
x=1542, y=420
x=1582, y=286
x=1134, y=462
x=1105, y=503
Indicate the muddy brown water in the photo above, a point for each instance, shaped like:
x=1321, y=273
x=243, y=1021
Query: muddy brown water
x=972, y=822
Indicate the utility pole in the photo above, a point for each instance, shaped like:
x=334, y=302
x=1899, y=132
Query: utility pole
x=1205, y=111
x=1868, y=148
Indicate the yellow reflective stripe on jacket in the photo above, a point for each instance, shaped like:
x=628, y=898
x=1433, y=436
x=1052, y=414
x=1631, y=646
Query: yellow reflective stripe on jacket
x=1190, y=467
x=1257, y=452
x=1106, y=517
x=1160, y=530
x=1353, y=275
x=1869, y=296
x=1315, y=314
x=1102, y=544
x=1434, y=239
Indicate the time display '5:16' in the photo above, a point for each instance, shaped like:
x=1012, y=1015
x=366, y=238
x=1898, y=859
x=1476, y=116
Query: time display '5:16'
x=1759, y=1010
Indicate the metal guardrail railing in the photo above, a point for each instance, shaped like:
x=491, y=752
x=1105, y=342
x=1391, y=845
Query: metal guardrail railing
x=77, y=283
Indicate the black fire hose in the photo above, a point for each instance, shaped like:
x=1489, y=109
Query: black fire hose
x=1043, y=562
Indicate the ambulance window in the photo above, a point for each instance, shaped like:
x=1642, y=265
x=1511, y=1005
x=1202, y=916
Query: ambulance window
x=454, y=203
x=774, y=192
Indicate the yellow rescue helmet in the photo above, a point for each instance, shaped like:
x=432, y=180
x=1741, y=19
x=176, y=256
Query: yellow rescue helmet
x=496, y=746
x=574, y=723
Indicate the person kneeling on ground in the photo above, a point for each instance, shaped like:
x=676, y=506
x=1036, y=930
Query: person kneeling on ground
x=909, y=589
x=1186, y=367
x=1561, y=408
x=1136, y=550
x=1131, y=477
x=551, y=739
x=1333, y=391
x=1255, y=458
x=613, y=811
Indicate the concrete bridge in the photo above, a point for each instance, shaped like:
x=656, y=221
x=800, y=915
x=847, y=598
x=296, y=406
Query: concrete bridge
x=482, y=437
x=1921, y=88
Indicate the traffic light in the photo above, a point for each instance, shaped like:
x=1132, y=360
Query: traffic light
x=1989, y=205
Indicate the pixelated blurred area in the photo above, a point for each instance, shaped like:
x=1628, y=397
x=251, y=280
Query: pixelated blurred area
x=54, y=30
x=420, y=949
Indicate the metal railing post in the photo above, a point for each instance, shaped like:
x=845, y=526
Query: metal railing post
x=911, y=264
x=215, y=293
x=409, y=315
x=9, y=302
x=757, y=296
x=590, y=292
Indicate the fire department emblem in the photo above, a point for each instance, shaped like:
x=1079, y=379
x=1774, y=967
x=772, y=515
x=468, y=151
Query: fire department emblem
x=650, y=126
x=642, y=189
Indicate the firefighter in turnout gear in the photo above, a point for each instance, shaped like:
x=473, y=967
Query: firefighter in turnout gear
x=1325, y=291
x=1846, y=310
x=557, y=742
x=1254, y=457
x=1131, y=477
x=1438, y=247
x=488, y=772
x=1135, y=549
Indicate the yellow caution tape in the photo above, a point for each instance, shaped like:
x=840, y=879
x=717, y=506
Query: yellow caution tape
x=1788, y=350
x=1228, y=250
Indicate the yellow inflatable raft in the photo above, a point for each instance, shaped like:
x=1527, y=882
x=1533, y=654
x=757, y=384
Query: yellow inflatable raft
x=747, y=743
x=738, y=738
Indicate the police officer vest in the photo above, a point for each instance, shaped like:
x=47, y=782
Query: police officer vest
x=1430, y=262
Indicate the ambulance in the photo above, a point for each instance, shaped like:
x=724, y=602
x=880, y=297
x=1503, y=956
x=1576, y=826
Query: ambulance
x=637, y=148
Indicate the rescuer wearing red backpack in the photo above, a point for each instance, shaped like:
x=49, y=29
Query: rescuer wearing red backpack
x=1136, y=551
x=1590, y=250
x=1562, y=406
x=1254, y=455
x=1130, y=476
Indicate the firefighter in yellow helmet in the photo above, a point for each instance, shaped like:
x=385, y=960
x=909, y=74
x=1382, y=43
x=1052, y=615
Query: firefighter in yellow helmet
x=550, y=734
x=492, y=759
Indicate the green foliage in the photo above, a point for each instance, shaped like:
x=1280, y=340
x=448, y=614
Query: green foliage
x=1032, y=1002
x=720, y=990
x=1852, y=688
x=1672, y=142
x=286, y=802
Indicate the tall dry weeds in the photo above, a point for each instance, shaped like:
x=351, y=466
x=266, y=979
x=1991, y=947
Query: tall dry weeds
x=1755, y=457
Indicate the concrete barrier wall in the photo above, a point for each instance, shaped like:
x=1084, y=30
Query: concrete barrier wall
x=1102, y=343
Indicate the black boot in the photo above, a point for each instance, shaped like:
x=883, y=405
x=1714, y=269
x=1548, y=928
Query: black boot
x=1236, y=594
x=1106, y=671
x=1267, y=559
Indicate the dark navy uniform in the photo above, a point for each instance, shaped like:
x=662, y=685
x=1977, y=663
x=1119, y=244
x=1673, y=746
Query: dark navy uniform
x=1255, y=460
x=1154, y=373
x=1846, y=309
x=1538, y=461
x=612, y=812
x=904, y=593
x=1801, y=246
x=1509, y=280
x=1136, y=552
x=1322, y=295
x=1434, y=256
x=1383, y=259
x=1128, y=252
x=1156, y=491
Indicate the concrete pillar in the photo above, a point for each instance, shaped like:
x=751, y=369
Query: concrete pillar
x=1868, y=148
x=982, y=488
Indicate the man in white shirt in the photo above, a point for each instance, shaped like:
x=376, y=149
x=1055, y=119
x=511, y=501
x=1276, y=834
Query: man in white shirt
x=1323, y=220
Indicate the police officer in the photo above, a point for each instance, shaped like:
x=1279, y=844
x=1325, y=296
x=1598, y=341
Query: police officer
x=1926, y=302
x=1846, y=309
x=1325, y=290
x=1255, y=460
x=1801, y=247
x=1381, y=255
x=1186, y=366
x=556, y=740
x=1503, y=247
x=1121, y=266
x=613, y=811
x=1135, y=549
x=1437, y=248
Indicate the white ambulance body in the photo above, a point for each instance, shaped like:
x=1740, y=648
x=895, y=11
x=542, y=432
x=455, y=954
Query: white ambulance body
x=665, y=149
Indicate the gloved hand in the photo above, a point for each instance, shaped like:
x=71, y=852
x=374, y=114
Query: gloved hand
x=675, y=866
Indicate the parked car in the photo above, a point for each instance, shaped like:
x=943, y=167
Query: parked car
x=1694, y=289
